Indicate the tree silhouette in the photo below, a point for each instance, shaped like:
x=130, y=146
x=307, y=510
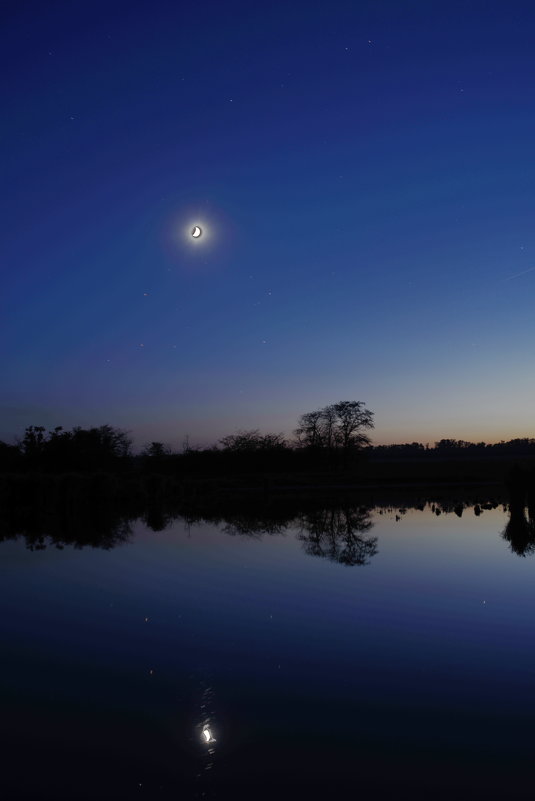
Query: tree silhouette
x=79, y=449
x=248, y=441
x=339, y=425
x=32, y=446
x=351, y=417
x=310, y=429
x=156, y=450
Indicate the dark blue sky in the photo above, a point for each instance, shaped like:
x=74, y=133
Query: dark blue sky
x=364, y=174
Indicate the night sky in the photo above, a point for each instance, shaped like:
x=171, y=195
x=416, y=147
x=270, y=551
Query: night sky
x=364, y=175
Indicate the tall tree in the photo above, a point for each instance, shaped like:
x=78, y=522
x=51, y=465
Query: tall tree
x=309, y=431
x=351, y=418
x=339, y=425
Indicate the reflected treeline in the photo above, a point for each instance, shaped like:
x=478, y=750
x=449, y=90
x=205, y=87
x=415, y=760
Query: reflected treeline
x=246, y=526
x=336, y=533
x=100, y=511
x=96, y=510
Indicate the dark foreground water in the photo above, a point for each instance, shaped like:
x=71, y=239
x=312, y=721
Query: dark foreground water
x=346, y=654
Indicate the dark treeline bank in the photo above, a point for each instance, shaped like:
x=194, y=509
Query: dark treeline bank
x=330, y=447
x=85, y=486
x=252, y=458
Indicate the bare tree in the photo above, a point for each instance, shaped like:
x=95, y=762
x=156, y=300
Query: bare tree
x=337, y=425
x=328, y=426
x=156, y=450
x=252, y=441
x=309, y=430
x=351, y=418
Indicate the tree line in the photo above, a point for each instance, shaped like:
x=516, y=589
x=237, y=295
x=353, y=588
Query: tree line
x=333, y=435
x=457, y=448
x=80, y=449
x=330, y=438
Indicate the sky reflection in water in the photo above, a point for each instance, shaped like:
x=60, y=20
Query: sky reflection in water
x=401, y=651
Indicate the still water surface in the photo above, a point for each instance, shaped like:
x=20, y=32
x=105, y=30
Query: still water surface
x=376, y=653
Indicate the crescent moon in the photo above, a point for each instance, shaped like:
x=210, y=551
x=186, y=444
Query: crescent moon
x=196, y=232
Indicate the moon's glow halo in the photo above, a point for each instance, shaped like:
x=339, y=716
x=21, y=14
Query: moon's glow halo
x=197, y=230
x=196, y=233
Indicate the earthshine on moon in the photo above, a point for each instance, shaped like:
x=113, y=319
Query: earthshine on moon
x=196, y=232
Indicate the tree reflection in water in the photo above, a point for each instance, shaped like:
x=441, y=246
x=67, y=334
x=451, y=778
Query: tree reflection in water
x=104, y=529
x=336, y=529
x=520, y=529
x=246, y=526
x=333, y=532
x=338, y=535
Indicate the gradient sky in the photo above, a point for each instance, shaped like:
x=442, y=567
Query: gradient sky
x=365, y=174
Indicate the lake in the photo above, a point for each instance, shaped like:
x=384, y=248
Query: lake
x=384, y=652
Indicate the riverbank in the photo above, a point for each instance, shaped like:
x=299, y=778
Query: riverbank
x=142, y=486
